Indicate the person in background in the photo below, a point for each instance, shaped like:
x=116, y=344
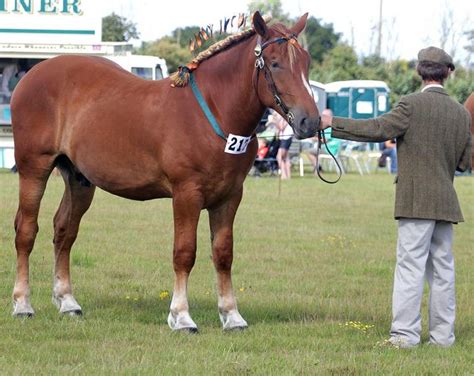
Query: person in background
x=333, y=145
x=267, y=148
x=15, y=80
x=389, y=150
x=285, y=135
x=9, y=71
x=268, y=134
x=433, y=141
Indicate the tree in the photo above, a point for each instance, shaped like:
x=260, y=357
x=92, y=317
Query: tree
x=461, y=84
x=167, y=48
x=402, y=79
x=470, y=46
x=118, y=29
x=375, y=68
x=340, y=63
x=182, y=36
x=319, y=38
x=273, y=8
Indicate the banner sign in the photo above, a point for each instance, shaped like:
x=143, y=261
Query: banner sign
x=49, y=21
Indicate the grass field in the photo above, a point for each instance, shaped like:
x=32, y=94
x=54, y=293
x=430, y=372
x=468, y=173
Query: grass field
x=313, y=272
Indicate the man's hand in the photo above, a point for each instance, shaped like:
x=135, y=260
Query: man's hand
x=326, y=119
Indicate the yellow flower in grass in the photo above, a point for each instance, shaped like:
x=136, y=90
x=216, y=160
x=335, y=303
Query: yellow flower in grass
x=242, y=289
x=164, y=295
x=357, y=325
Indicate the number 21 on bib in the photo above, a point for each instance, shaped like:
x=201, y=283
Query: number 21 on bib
x=237, y=144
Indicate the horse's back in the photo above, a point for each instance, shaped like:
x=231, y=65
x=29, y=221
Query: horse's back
x=54, y=93
x=43, y=94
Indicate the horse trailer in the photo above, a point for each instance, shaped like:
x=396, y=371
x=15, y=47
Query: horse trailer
x=319, y=94
x=358, y=99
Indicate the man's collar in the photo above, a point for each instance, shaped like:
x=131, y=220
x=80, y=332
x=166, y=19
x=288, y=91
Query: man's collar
x=430, y=86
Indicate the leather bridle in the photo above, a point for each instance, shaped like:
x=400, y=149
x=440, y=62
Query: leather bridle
x=260, y=65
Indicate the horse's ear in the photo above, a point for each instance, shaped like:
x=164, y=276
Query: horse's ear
x=300, y=25
x=259, y=24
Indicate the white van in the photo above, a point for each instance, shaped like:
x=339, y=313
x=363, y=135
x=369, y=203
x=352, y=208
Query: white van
x=147, y=67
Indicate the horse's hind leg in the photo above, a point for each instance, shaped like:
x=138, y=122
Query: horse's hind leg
x=33, y=180
x=221, y=222
x=76, y=200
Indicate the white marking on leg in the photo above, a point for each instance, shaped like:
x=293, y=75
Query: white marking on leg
x=232, y=320
x=21, y=299
x=65, y=302
x=229, y=314
x=179, y=317
x=22, y=307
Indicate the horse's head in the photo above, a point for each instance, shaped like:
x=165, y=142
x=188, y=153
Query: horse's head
x=282, y=75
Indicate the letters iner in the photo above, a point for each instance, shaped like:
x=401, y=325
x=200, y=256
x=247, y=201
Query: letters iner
x=45, y=6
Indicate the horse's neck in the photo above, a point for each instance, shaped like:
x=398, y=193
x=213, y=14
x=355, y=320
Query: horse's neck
x=228, y=78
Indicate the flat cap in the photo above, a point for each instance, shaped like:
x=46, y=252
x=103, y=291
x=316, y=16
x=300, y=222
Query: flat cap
x=436, y=55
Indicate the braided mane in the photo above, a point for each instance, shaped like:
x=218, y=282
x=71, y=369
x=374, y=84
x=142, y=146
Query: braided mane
x=181, y=77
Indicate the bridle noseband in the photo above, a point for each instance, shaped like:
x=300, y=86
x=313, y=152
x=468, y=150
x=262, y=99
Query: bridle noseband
x=261, y=65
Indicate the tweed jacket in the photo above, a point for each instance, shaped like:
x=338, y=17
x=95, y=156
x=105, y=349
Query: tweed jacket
x=433, y=141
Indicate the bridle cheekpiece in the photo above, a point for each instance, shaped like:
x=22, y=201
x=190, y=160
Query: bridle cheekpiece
x=260, y=65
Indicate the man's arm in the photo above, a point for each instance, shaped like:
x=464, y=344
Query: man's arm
x=390, y=125
x=465, y=163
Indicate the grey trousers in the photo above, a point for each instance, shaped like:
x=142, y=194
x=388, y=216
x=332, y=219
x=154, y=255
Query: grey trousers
x=424, y=251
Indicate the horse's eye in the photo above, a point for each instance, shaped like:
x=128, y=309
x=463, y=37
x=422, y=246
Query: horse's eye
x=274, y=64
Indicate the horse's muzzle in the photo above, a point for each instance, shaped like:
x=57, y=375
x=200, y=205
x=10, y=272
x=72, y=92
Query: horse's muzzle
x=305, y=126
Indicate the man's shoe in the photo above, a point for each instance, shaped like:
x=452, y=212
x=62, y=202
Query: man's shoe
x=398, y=343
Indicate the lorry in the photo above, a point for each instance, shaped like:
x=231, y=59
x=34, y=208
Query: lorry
x=35, y=30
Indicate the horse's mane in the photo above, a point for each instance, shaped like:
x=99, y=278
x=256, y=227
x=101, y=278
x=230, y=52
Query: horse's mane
x=181, y=77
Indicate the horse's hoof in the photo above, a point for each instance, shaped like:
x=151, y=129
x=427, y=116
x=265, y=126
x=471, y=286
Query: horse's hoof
x=236, y=329
x=22, y=310
x=73, y=313
x=67, y=305
x=188, y=330
x=23, y=315
x=232, y=321
x=182, y=323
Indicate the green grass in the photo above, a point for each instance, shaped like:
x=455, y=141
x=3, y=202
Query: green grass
x=307, y=262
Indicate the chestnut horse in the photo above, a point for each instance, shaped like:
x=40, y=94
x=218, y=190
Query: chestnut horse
x=103, y=127
x=469, y=105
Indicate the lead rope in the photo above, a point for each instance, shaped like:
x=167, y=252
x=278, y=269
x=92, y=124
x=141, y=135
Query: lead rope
x=322, y=139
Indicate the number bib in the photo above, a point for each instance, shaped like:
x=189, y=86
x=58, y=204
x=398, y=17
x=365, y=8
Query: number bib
x=237, y=144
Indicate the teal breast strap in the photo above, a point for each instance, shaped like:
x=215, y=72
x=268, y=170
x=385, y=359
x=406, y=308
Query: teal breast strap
x=205, y=108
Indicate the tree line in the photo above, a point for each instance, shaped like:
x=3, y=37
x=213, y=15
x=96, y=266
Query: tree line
x=332, y=58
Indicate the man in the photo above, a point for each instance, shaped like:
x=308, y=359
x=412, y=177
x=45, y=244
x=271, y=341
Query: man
x=389, y=150
x=9, y=70
x=433, y=139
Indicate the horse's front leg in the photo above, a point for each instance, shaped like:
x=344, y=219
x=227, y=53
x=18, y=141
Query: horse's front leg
x=221, y=221
x=186, y=210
